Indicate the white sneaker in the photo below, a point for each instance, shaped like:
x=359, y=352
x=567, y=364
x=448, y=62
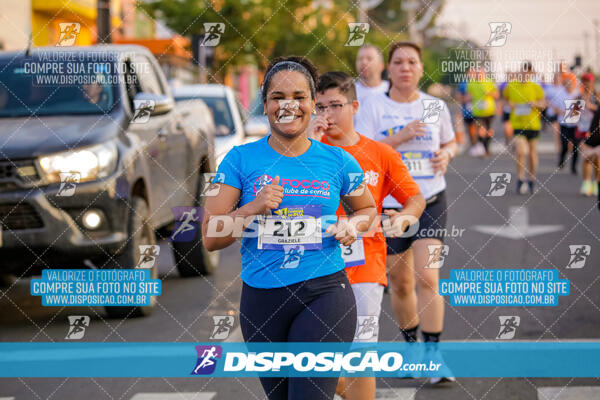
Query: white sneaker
x=447, y=378
x=437, y=380
x=523, y=189
x=415, y=354
x=477, y=150
x=587, y=188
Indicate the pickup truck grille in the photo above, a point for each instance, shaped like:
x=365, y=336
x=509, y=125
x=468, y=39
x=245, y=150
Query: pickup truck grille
x=19, y=216
x=17, y=174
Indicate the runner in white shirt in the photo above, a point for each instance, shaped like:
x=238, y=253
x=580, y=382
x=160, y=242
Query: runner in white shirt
x=369, y=66
x=418, y=126
x=567, y=127
x=551, y=92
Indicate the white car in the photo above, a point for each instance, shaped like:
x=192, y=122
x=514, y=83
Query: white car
x=231, y=120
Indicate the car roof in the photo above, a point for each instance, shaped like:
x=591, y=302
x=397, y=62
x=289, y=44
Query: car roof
x=209, y=89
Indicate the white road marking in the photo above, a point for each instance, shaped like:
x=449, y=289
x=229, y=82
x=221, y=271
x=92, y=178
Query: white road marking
x=518, y=226
x=569, y=393
x=396, y=393
x=392, y=394
x=175, y=396
x=235, y=335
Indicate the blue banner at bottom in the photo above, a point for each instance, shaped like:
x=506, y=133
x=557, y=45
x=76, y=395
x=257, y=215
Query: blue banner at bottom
x=384, y=359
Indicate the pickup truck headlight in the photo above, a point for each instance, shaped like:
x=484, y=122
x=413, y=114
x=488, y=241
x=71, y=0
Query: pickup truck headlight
x=91, y=163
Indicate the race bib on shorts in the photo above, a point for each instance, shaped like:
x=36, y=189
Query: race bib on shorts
x=418, y=163
x=354, y=254
x=292, y=225
x=522, y=109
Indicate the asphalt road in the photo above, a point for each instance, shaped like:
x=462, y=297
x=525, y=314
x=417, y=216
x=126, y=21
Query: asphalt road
x=186, y=307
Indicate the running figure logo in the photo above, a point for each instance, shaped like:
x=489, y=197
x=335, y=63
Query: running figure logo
x=437, y=255
x=77, y=325
x=357, y=33
x=508, y=327
x=499, y=32
x=355, y=179
x=186, y=223
x=142, y=111
x=293, y=254
x=579, y=254
x=261, y=182
x=68, y=33
x=148, y=254
x=223, y=326
x=431, y=111
x=68, y=181
x=213, y=30
x=366, y=327
x=573, y=111
x=207, y=359
x=500, y=181
x=288, y=110
x=210, y=180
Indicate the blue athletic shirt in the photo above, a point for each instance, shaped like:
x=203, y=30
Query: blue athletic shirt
x=318, y=178
x=465, y=107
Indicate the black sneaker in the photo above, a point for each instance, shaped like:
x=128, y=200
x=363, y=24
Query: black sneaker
x=531, y=185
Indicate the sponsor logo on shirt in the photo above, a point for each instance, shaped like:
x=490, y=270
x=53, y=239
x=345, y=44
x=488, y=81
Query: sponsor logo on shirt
x=290, y=212
x=299, y=187
x=371, y=177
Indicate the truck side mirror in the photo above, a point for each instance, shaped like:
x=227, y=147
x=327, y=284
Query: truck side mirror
x=157, y=103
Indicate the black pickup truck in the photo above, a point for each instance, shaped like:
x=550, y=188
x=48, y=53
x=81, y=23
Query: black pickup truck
x=94, y=159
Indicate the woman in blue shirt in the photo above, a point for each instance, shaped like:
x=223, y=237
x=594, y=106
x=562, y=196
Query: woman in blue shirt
x=284, y=189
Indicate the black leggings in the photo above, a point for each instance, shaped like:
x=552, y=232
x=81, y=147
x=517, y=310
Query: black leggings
x=567, y=134
x=317, y=310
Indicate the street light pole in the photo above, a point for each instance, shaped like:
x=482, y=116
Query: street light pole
x=103, y=21
x=597, y=37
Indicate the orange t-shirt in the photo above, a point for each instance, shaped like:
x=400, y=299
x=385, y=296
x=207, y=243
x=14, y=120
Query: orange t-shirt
x=385, y=173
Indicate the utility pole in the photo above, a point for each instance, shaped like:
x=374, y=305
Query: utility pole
x=413, y=32
x=364, y=6
x=362, y=12
x=586, y=47
x=597, y=36
x=103, y=21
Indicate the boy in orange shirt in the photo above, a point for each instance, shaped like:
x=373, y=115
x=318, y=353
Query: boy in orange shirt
x=385, y=174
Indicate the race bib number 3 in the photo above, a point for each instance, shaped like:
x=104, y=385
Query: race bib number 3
x=354, y=254
x=418, y=163
x=293, y=225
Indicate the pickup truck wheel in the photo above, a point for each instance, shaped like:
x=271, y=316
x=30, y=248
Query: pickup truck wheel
x=191, y=258
x=7, y=280
x=140, y=233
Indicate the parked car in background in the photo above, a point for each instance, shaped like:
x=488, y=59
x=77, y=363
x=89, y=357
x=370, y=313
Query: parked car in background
x=230, y=118
x=256, y=113
x=94, y=156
